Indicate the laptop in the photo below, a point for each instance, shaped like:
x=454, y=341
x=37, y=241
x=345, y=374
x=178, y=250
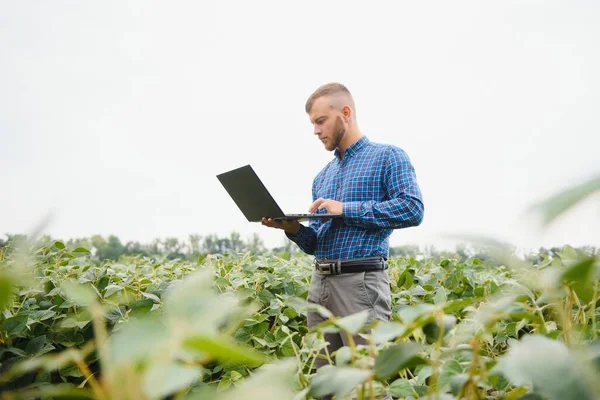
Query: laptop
x=254, y=200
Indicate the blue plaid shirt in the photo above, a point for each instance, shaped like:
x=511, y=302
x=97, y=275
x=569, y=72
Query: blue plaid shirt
x=378, y=188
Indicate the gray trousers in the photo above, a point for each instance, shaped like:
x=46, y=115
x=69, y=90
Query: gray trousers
x=348, y=294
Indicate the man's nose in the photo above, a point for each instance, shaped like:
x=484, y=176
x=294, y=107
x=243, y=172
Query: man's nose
x=317, y=130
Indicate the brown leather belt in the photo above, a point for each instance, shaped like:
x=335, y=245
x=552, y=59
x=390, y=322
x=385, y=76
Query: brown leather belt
x=337, y=267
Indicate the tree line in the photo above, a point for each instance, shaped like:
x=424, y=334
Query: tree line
x=112, y=248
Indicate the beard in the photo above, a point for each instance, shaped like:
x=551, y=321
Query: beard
x=337, y=135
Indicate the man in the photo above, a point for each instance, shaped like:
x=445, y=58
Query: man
x=373, y=188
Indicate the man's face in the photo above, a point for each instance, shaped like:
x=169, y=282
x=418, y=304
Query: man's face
x=328, y=123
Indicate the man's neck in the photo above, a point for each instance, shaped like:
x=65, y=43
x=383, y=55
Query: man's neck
x=351, y=137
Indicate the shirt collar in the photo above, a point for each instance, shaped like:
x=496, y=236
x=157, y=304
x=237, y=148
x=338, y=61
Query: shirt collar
x=354, y=148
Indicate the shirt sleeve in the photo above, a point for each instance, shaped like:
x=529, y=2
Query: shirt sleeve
x=403, y=206
x=306, y=238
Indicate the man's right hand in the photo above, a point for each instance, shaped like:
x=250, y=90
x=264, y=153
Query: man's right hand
x=292, y=227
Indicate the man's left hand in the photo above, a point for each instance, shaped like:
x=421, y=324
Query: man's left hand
x=332, y=206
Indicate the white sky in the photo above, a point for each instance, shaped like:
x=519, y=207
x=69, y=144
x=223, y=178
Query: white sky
x=118, y=115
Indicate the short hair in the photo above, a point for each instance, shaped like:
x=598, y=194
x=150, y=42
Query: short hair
x=329, y=89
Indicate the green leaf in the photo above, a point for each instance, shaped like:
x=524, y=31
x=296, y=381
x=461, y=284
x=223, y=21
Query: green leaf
x=337, y=380
x=265, y=297
x=343, y=356
x=440, y=296
x=453, y=281
x=46, y=349
x=568, y=255
x=581, y=277
x=271, y=341
x=224, y=384
x=5, y=291
x=407, y=280
x=386, y=331
x=558, y=204
x=151, y=296
x=59, y=245
x=82, y=250
x=396, y=358
x=243, y=335
x=401, y=388
x=287, y=349
x=162, y=380
x=243, y=293
x=16, y=351
x=140, y=308
x=548, y=366
x=409, y=314
x=269, y=382
x=450, y=369
x=257, y=319
x=454, y=305
x=14, y=326
x=112, y=289
x=353, y=323
x=82, y=295
x=63, y=391
x=222, y=282
x=137, y=340
x=225, y=350
x=46, y=314
x=35, y=345
x=290, y=313
x=72, y=371
x=71, y=322
x=260, y=329
x=260, y=341
x=432, y=330
x=300, y=305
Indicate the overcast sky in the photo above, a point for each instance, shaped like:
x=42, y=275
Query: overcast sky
x=118, y=115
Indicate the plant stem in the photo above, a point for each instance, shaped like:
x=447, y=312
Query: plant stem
x=565, y=316
x=433, y=388
x=96, y=388
x=101, y=337
x=593, y=309
x=541, y=314
x=352, y=345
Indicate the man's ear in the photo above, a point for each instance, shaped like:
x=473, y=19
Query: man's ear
x=347, y=112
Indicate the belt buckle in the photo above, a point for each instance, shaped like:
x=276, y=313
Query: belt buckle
x=329, y=268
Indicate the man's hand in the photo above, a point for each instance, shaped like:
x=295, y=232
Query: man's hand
x=332, y=206
x=292, y=227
